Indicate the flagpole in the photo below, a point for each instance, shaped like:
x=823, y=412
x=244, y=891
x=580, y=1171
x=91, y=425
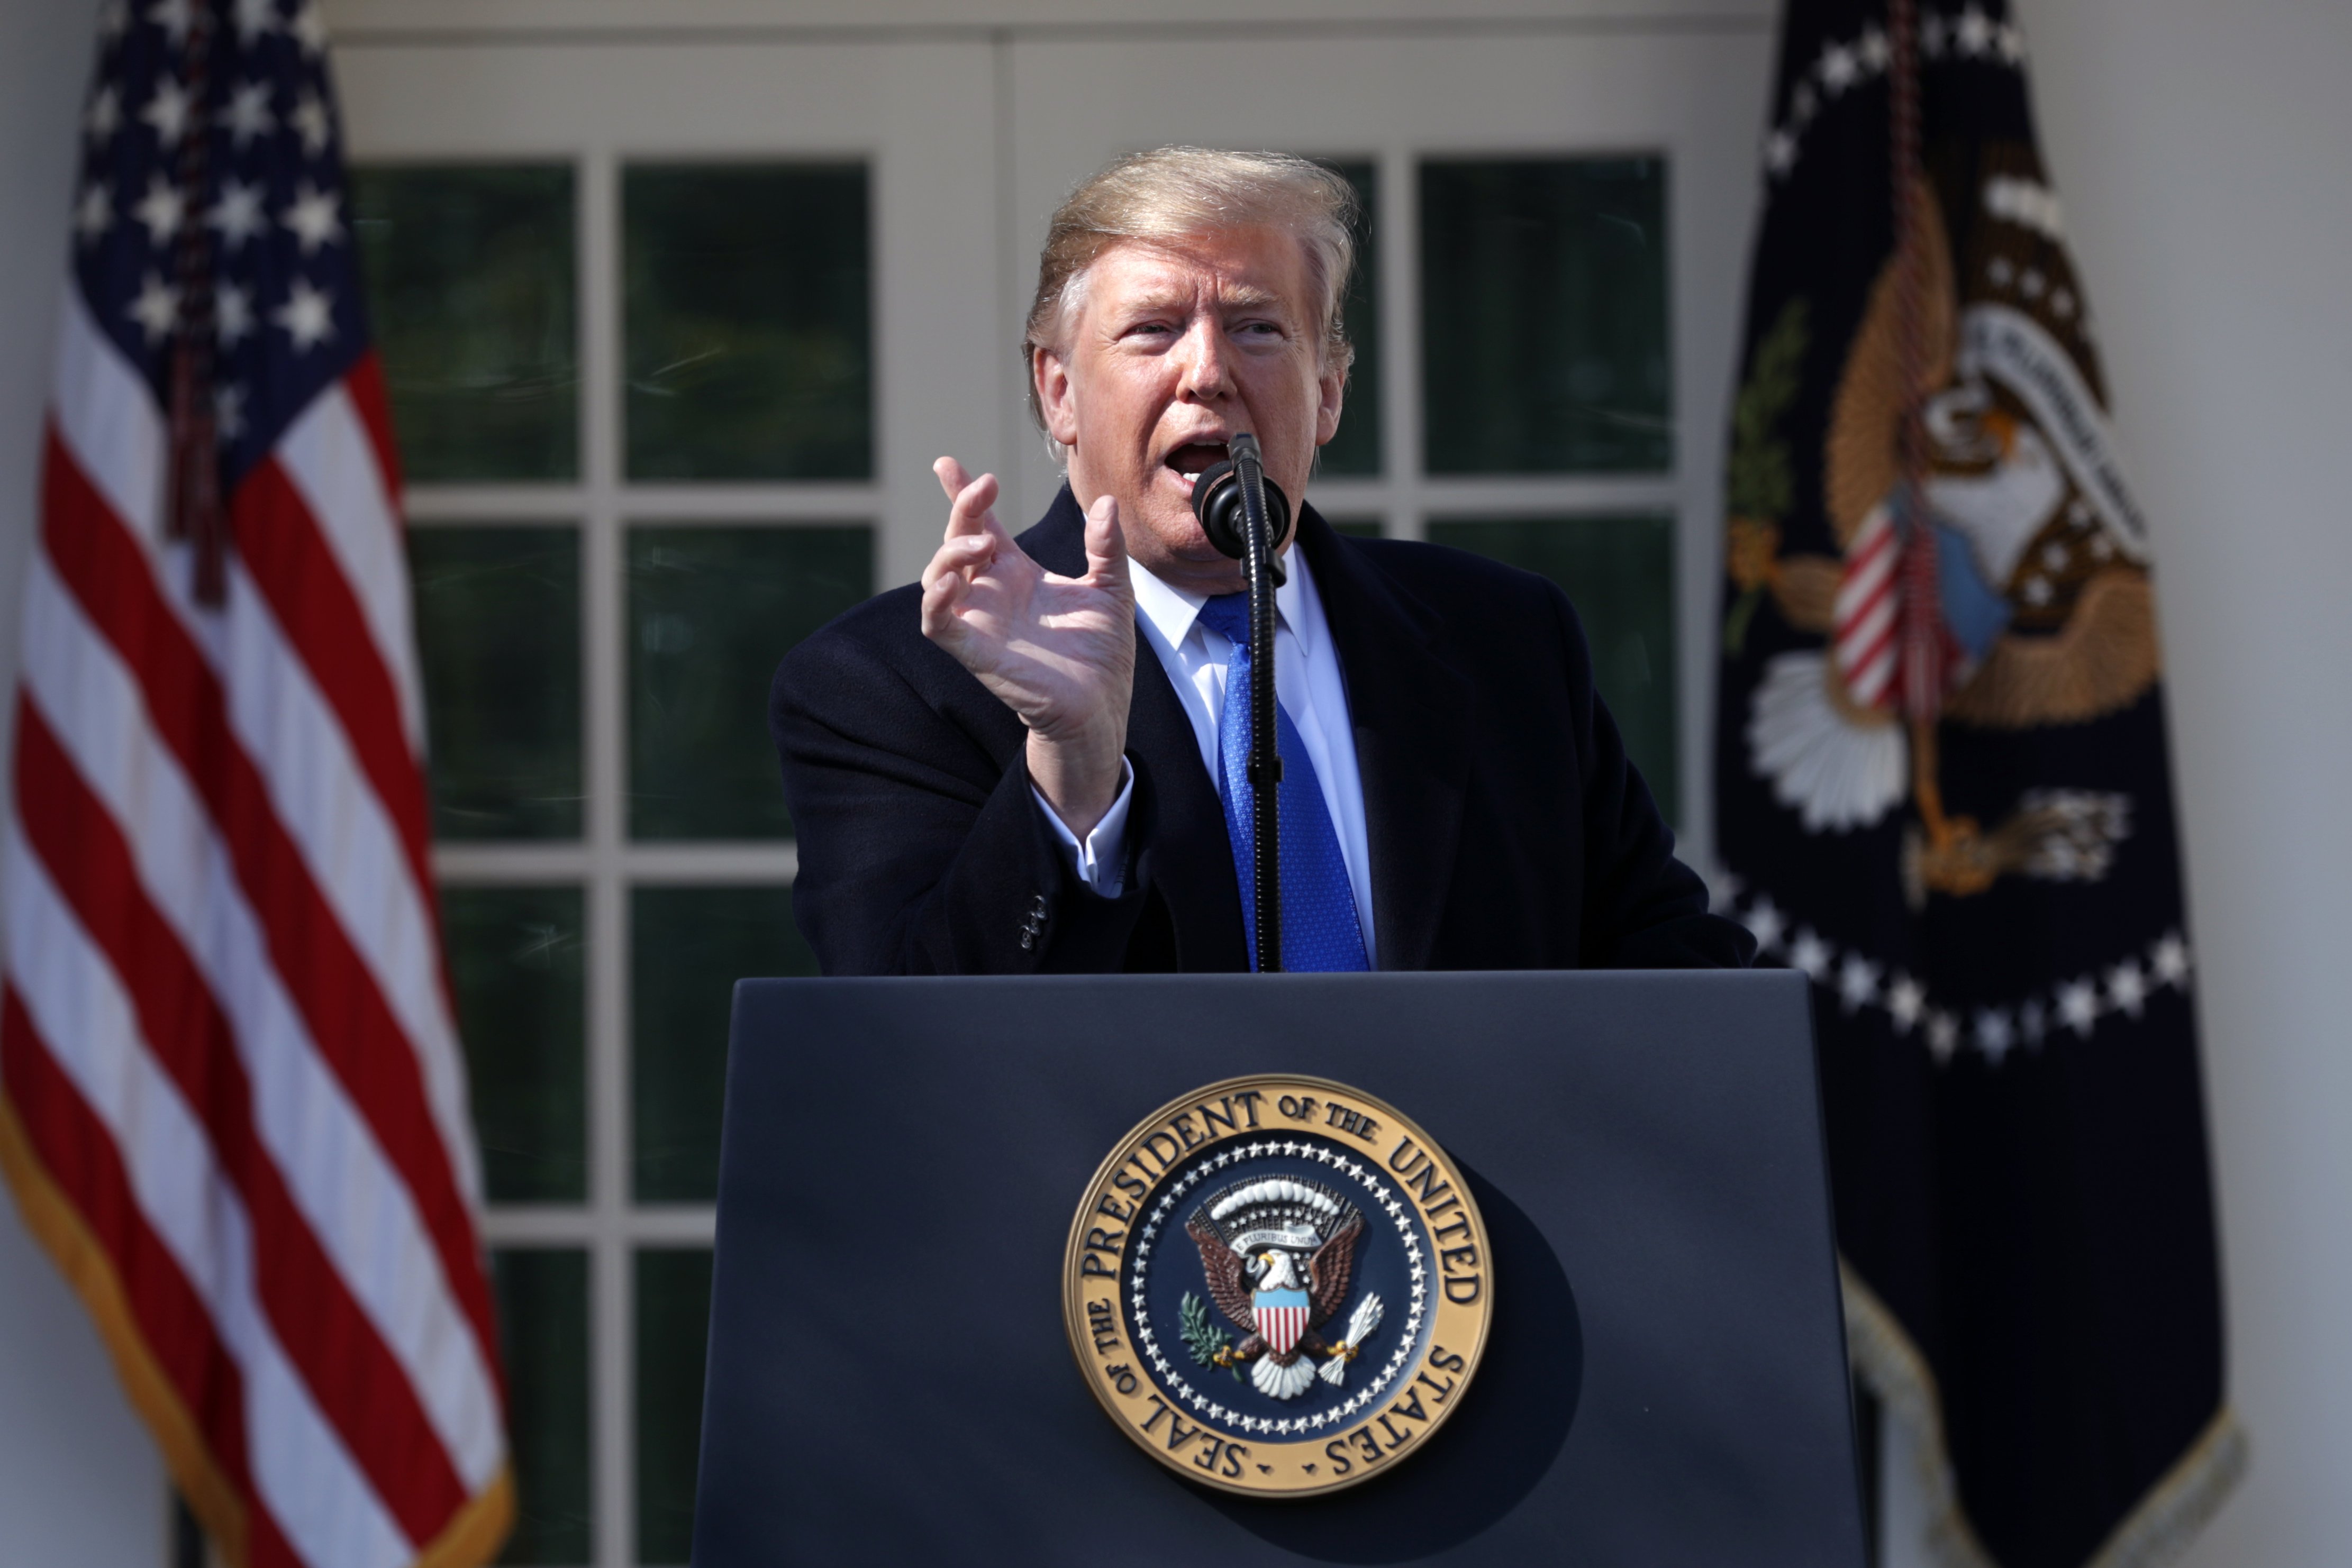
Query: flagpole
x=193, y=504
x=1923, y=634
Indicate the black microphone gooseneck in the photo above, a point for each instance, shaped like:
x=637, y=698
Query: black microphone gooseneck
x=1246, y=516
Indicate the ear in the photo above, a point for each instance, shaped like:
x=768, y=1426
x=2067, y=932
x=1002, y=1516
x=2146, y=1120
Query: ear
x=1051, y=373
x=1330, y=388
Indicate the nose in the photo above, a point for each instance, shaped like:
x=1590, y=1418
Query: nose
x=1208, y=375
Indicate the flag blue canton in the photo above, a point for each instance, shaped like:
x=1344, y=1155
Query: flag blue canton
x=287, y=313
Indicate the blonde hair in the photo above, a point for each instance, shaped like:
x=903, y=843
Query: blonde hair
x=1170, y=193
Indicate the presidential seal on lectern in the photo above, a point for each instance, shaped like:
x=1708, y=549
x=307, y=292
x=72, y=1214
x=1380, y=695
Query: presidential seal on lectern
x=1277, y=1285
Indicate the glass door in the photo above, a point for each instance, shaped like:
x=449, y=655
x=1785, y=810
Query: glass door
x=671, y=333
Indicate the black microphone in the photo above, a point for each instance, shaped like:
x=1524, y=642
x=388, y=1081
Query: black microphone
x=1218, y=501
x=1246, y=516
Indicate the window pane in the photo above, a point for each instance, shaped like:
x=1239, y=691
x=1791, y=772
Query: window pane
x=542, y=1299
x=516, y=964
x=1361, y=527
x=749, y=344
x=1543, y=314
x=688, y=946
x=497, y=630
x=469, y=273
x=711, y=610
x=673, y=1341
x=1357, y=448
x=1620, y=572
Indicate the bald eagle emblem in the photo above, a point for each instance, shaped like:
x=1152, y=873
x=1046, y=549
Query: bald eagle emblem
x=1278, y=1254
x=2043, y=609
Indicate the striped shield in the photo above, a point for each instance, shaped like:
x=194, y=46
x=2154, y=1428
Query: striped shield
x=1281, y=1318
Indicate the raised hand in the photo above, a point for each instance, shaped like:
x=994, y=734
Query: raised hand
x=1058, y=650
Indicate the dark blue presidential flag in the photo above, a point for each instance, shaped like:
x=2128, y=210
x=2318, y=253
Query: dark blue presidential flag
x=1943, y=793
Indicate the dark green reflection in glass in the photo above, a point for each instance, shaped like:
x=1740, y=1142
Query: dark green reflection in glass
x=711, y=610
x=469, y=273
x=1543, y=311
x=673, y=1338
x=688, y=946
x=750, y=351
x=542, y=1300
x=1356, y=450
x=498, y=631
x=1360, y=527
x=1620, y=573
x=516, y=964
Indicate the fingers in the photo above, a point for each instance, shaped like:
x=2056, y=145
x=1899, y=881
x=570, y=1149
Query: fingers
x=948, y=581
x=1106, y=541
x=939, y=597
x=970, y=513
x=959, y=557
x=970, y=500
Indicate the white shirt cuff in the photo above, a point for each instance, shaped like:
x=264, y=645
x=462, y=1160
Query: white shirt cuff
x=1101, y=861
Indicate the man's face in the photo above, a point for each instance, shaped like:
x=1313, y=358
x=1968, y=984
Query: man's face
x=1176, y=347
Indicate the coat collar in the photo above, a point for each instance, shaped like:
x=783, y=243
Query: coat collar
x=1409, y=709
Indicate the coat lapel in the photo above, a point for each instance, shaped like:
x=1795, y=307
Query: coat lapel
x=1410, y=711
x=1192, y=860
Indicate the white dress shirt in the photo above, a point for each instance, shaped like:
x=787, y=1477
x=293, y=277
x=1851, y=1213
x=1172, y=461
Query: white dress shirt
x=1312, y=691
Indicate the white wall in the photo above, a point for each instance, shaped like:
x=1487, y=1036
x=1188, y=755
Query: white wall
x=2204, y=152
x=80, y=1483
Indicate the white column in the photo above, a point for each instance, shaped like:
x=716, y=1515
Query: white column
x=79, y=1482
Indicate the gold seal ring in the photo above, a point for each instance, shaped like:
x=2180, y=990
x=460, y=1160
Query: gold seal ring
x=1278, y=1285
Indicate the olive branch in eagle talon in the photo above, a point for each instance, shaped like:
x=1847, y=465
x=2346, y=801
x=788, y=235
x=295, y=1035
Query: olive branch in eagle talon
x=1246, y=1275
x=1210, y=1345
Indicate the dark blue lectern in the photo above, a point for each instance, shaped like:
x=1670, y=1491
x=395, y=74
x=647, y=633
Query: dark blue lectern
x=890, y=1381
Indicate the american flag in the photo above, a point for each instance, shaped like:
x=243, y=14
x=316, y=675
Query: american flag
x=232, y=1102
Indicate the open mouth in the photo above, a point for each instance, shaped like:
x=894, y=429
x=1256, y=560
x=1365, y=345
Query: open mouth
x=1194, y=458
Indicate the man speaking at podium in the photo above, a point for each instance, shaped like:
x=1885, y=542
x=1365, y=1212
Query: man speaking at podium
x=1033, y=761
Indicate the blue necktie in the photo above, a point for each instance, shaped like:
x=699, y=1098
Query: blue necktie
x=1319, y=931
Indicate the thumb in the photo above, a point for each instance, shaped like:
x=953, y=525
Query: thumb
x=1106, y=541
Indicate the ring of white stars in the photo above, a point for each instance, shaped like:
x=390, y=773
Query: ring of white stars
x=1845, y=65
x=1387, y=1202
x=2074, y=1004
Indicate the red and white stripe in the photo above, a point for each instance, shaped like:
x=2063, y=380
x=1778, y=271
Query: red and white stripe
x=1280, y=1325
x=1864, y=641
x=226, y=1047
